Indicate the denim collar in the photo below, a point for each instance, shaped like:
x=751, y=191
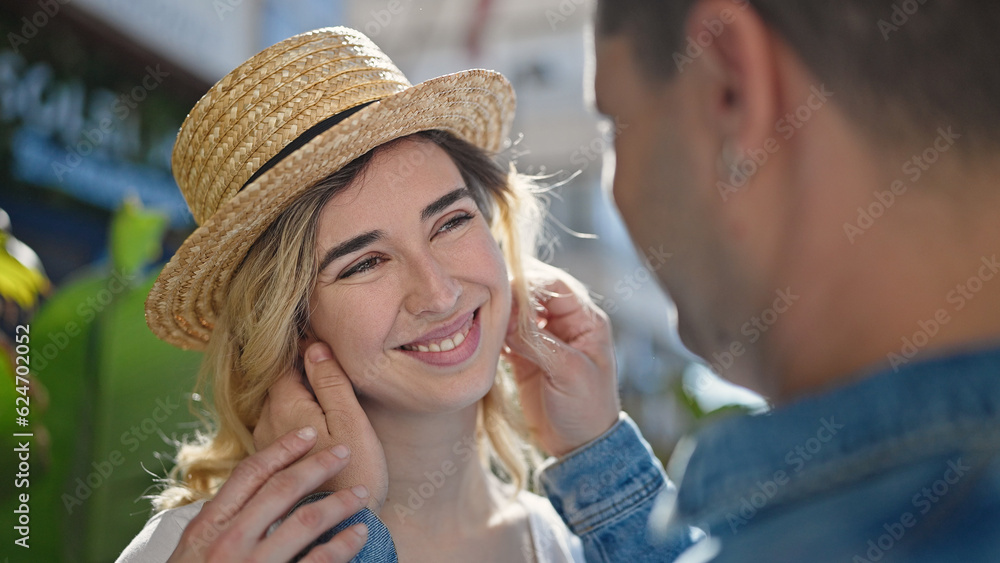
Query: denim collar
x=884, y=420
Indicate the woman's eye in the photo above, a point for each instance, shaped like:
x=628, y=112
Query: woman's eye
x=366, y=265
x=456, y=222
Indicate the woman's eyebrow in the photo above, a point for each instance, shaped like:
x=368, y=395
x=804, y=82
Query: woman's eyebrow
x=357, y=243
x=353, y=245
x=442, y=203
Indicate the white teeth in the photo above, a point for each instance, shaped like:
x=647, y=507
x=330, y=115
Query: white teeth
x=442, y=346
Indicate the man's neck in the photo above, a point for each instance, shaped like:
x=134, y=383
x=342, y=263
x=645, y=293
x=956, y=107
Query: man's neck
x=921, y=279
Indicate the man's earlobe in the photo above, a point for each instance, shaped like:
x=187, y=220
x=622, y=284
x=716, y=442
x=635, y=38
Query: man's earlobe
x=728, y=161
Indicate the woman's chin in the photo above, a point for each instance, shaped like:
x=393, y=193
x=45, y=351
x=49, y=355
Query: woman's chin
x=432, y=397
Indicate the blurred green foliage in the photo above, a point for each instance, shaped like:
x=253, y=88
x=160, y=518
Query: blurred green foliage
x=19, y=282
x=118, y=397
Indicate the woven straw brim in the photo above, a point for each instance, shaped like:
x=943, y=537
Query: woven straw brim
x=183, y=305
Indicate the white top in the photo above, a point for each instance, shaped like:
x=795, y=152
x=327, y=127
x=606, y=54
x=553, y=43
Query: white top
x=553, y=541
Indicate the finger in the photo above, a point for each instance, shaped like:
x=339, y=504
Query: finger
x=524, y=368
x=290, y=387
x=522, y=347
x=310, y=521
x=291, y=396
x=551, y=293
x=331, y=385
x=288, y=404
x=538, y=343
x=277, y=496
x=247, y=478
x=568, y=314
x=263, y=431
x=541, y=350
x=342, y=548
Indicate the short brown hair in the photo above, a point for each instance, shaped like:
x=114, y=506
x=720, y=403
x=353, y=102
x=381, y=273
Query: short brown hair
x=899, y=67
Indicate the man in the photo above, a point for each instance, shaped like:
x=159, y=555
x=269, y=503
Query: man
x=825, y=176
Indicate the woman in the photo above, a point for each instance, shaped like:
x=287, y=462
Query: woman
x=344, y=212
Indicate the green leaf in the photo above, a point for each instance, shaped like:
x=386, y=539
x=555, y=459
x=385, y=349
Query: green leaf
x=136, y=236
x=115, y=392
x=60, y=337
x=144, y=388
x=8, y=463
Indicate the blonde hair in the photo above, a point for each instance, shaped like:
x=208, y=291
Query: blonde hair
x=269, y=294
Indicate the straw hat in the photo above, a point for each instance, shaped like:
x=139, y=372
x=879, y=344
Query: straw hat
x=278, y=124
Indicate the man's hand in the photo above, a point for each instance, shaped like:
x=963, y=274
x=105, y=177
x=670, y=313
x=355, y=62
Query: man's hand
x=335, y=412
x=575, y=400
x=261, y=490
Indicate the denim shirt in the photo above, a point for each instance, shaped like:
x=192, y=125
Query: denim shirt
x=901, y=465
x=379, y=546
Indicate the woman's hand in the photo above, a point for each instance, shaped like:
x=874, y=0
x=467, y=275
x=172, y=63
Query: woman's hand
x=261, y=490
x=335, y=412
x=577, y=399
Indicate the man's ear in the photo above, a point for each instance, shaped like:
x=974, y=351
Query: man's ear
x=736, y=74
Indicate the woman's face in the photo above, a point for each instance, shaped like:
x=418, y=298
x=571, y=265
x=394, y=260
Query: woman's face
x=412, y=294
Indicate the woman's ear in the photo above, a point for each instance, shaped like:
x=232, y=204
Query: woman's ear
x=304, y=342
x=308, y=338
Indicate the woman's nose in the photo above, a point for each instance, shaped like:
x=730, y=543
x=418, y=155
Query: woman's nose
x=432, y=289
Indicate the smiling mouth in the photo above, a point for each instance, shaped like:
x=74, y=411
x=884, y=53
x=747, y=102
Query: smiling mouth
x=446, y=344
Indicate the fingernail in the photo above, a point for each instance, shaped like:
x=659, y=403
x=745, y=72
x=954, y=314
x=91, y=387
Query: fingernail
x=318, y=353
x=341, y=451
x=361, y=530
x=307, y=433
x=360, y=491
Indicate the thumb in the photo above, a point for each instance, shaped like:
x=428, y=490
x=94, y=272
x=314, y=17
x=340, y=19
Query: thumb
x=330, y=384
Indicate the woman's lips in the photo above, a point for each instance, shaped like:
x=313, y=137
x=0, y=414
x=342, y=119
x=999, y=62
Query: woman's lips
x=445, y=339
x=452, y=350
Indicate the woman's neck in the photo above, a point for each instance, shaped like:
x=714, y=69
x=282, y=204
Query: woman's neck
x=437, y=485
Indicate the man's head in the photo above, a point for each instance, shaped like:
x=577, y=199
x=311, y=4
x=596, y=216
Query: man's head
x=900, y=66
x=749, y=135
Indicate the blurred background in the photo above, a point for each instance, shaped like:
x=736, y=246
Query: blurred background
x=92, y=93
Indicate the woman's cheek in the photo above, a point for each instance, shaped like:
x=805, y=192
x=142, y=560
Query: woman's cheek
x=329, y=325
x=484, y=256
x=498, y=266
x=360, y=345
